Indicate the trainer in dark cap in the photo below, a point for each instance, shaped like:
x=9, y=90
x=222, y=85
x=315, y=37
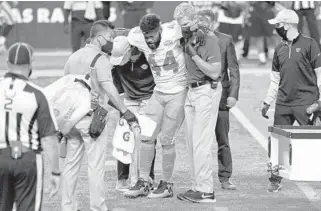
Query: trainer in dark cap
x=27, y=126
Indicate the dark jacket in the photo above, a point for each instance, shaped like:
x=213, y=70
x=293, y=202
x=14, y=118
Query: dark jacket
x=230, y=79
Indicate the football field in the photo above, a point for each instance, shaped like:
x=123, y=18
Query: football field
x=248, y=137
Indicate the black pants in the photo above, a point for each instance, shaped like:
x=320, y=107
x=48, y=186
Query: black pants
x=311, y=21
x=246, y=45
x=79, y=30
x=224, y=152
x=285, y=115
x=21, y=181
x=123, y=169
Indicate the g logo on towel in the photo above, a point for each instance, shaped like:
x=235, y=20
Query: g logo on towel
x=126, y=136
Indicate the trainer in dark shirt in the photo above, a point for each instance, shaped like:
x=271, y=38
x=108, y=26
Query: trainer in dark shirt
x=133, y=77
x=295, y=77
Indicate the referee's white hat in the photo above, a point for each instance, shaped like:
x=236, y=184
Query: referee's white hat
x=285, y=16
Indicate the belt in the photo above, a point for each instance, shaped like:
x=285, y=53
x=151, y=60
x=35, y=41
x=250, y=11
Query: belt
x=83, y=83
x=199, y=83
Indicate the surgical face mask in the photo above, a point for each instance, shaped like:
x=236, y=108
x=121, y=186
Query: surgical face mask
x=282, y=32
x=187, y=32
x=108, y=47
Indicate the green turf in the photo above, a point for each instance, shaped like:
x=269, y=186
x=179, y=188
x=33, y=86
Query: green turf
x=249, y=173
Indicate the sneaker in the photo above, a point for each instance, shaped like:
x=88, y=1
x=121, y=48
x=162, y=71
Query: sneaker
x=201, y=197
x=141, y=188
x=154, y=184
x=227, y=185
x=274, y=187
x=181, y=196
x=122, y=185
x=164, y=190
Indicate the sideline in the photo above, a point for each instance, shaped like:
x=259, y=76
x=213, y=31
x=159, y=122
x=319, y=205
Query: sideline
x=308, y=191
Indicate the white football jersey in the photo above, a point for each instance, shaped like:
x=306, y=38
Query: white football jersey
x=167, y=61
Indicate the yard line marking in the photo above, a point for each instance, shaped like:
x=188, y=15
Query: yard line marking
x=247, y=124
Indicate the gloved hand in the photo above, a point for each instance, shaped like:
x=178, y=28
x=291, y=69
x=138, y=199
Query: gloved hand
x=98, y=122
x=189, y=49
x=130, y=117
x=313, y=108
x=264, y=110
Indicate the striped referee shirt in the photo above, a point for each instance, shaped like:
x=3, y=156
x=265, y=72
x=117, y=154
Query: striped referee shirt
x=25, y=114
x=303, y=5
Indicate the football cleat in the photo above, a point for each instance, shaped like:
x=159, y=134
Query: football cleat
x=227, y=185
x=122, y=185
x=164, y=190
x=141, y=188
x=274, y=187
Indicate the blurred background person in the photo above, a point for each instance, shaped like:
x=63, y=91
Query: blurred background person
x=133, y=11
x=307, y=9
x=230, y=20
x=258, y=14
x=83, y=15
x=7, y=22
x=106, y=9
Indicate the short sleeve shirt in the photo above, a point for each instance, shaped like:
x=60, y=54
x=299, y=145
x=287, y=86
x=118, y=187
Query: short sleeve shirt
x=210, y=52
x=296, y=63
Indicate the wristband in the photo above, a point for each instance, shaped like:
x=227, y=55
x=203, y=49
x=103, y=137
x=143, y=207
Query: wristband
x=55, y=174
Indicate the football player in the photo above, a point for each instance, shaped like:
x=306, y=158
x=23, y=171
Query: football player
x=161, y=45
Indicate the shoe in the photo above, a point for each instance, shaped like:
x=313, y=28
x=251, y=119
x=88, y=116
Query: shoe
x=274, y=187
x=122, y=185
x=141, y=188
x=227, y=185
x=181, y=196
x=154, y=184
x=201, y=197
x=164, y=190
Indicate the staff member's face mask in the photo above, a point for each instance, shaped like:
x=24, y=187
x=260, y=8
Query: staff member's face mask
x=106, y=44
x=282, y=30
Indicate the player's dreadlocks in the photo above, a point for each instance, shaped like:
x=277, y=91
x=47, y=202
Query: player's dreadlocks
x=149, y=22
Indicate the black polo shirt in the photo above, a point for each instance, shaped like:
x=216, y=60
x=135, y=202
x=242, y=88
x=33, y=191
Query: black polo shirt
x=134, y=79
x=296, y=62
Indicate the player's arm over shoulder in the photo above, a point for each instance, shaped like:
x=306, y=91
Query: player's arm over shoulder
x=172, y=30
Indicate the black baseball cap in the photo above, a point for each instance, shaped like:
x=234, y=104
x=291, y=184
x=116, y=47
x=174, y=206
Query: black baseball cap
x=20, y=53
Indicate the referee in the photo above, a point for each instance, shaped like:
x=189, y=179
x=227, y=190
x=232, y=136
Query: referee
x=26, y=125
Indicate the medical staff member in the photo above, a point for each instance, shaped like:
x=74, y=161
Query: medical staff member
x=231, y=84
x=92, y=58
x=27, y=125
x=203, y=68
x=133, y=77
x=295, y=77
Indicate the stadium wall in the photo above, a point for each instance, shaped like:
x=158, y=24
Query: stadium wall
x=41, y=23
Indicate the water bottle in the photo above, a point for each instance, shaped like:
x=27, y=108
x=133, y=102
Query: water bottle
x=63, y=147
